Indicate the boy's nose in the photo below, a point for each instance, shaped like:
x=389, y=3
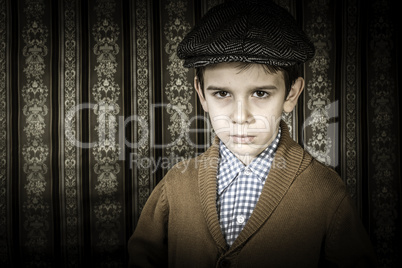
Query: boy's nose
x=241, y=113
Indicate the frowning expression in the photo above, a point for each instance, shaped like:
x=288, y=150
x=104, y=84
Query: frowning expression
x=244, y=105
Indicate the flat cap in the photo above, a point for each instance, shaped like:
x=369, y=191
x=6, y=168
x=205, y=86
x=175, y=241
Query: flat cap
x=255, y=31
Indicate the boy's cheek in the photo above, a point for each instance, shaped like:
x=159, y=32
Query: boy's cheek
x=220, y=121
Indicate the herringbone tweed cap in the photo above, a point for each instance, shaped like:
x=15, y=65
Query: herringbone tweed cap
x=254, y=31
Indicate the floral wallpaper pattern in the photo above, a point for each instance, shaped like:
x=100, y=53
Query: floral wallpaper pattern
x=35, y=152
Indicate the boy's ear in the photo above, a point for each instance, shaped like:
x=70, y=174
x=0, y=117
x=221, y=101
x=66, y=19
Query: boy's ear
x=293, y=96
x=197, y=86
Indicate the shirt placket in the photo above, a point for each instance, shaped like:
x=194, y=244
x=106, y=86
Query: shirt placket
x=243, y=205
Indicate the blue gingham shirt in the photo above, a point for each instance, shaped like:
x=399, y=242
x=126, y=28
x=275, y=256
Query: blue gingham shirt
x=239, y=187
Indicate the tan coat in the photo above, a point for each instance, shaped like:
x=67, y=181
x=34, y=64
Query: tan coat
x=304, y=218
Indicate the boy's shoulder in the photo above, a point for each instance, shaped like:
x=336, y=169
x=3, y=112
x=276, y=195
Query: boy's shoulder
x=310, y=171
x=321, y=169
x=323, y=177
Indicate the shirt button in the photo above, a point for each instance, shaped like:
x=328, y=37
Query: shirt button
x=247, y=172
x=240, y=219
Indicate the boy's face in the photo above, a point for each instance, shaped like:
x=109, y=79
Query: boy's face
x=245, y=105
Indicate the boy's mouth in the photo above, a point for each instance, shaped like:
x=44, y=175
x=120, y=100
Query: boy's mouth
x=243, y=139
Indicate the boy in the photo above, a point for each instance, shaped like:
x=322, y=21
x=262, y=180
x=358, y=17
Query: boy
x=255, y=198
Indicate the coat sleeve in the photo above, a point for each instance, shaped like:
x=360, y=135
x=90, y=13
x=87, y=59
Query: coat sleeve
x=147, y=247
x=347, y=244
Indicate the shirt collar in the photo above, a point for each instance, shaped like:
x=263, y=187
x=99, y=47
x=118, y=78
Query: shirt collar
x=230, y=165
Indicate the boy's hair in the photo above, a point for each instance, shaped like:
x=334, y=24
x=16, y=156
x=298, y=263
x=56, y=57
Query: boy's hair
x=290, y=73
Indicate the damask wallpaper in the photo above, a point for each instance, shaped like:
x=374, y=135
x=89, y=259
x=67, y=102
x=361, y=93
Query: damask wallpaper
x=95, y=107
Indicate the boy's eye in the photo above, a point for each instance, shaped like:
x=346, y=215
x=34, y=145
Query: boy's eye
x=222, y=94
x=260, y=94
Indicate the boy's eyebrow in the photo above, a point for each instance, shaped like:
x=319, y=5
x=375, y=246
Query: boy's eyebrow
x=271, y=87
x=265, y=87
x=217, y=88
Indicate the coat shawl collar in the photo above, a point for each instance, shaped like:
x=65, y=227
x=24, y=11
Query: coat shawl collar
x=287, y=162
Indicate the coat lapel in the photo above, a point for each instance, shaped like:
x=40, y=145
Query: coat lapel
x=208, y=168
